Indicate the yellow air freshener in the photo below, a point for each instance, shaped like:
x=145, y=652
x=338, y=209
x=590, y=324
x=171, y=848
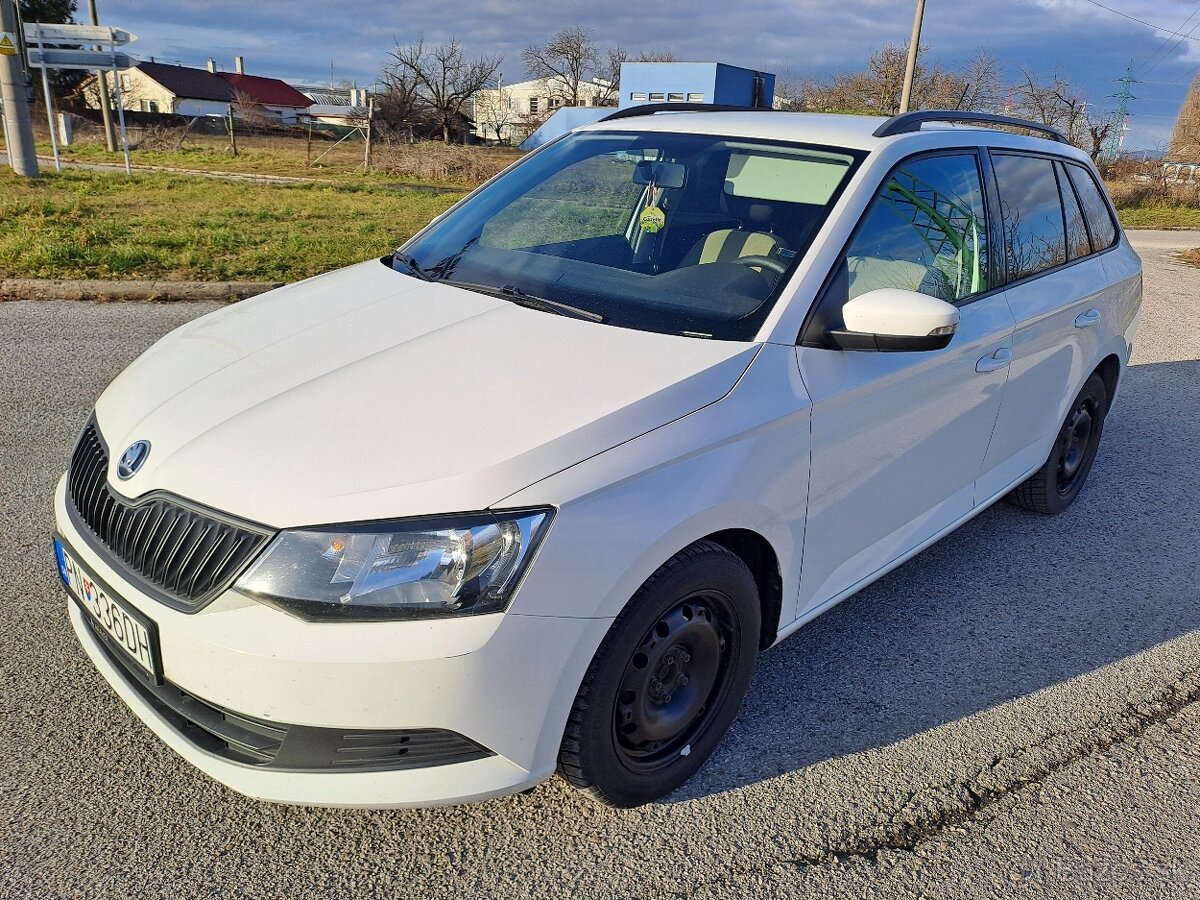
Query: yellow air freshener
x=652, y=219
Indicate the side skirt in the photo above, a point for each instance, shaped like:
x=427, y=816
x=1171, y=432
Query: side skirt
x=898, y=561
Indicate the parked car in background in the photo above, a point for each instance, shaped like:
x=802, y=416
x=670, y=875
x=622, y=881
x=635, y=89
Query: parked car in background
x=531, y=494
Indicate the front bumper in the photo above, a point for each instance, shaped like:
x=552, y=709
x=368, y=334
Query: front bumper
x=505, y=683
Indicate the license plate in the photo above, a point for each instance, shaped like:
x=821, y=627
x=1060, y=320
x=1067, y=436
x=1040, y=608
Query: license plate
x=129, y=631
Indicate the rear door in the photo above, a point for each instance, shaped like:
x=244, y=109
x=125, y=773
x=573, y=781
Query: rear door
x=898, y=438
x=1056, y=289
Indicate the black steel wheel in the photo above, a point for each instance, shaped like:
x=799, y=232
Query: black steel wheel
x=667, y=681
x=1053, y=487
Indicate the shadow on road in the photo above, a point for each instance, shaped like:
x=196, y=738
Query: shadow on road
x=1010, y=603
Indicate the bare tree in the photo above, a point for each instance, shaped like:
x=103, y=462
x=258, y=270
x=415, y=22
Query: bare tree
x=249, y=111
x=443, y=78
x=1055, y=104
x=564, y=62
x=1185, y=137
x=1098, y=132
x=877, y=89
x=789, y=89
x=398, y=108
x=494, y=109
x=984, y=83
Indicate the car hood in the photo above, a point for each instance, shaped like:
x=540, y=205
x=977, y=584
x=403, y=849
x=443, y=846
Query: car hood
x=368, y=394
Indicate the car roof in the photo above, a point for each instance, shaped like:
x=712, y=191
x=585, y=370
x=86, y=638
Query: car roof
x=830, y=129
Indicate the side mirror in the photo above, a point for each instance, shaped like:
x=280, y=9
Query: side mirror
x=892, y=319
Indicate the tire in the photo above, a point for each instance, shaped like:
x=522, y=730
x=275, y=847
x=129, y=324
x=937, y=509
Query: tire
x=1053, y=487
x=667, y=681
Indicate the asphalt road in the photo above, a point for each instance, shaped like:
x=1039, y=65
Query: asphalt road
x=1013, y=712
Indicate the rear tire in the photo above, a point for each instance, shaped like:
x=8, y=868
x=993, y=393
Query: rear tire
x=1053, y=487
x=667, y=681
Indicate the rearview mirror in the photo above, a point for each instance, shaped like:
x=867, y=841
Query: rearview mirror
x=660, y=174
x=892, y=319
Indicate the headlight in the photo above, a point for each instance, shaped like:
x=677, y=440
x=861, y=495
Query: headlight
x=455, y=565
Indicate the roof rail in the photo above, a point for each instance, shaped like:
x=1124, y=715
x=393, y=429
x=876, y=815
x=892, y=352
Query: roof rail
x=649, y=109
x=912, y=121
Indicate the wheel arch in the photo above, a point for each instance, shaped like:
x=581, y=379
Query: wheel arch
x=1110, y=371
x=760, y=558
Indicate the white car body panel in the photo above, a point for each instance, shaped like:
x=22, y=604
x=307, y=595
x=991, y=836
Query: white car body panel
x=316, y=366
x=897, y=439
x=294, y=409
x=740, y=463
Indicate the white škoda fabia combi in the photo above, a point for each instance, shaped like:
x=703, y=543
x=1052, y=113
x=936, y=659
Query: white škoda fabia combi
x=532, y=493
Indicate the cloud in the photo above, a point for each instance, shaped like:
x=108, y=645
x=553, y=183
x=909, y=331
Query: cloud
x=300, y=39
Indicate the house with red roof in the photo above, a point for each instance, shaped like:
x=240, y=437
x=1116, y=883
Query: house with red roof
x=274, y=98
x=185, y=91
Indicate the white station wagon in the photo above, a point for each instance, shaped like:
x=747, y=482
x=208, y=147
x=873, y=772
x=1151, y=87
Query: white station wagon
x=532, y=494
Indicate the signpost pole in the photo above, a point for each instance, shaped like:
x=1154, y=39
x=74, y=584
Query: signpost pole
x=121, y=115
x=110, y=139
x=49, y=107
x=14, y=95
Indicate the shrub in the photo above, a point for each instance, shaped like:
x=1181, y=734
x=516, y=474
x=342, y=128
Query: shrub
x=437, y=162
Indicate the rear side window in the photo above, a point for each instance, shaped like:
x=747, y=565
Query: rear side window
x=1099, y=219
x=1034, y=236
x=1077, y=233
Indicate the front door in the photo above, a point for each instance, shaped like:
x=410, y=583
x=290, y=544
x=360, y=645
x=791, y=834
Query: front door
x=897, y=438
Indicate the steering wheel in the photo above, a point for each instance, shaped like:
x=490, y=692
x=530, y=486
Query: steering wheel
x=765, y=262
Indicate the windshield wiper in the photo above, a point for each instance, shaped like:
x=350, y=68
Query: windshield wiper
x=413, y=267
x=514, y=294
x=519, y=297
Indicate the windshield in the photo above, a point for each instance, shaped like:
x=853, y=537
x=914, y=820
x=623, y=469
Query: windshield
x=680, y=234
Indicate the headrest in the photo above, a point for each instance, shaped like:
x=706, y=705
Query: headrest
x=760, y=213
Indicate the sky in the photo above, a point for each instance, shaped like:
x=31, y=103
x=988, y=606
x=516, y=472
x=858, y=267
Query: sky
x=299, y=40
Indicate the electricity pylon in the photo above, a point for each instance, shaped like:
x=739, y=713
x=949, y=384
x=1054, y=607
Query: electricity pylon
x=1116, y=133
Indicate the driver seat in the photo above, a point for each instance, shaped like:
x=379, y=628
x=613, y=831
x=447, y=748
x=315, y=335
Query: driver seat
x=731, y=244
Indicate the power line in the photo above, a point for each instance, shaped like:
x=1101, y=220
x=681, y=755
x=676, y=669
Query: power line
x=1134, y=18
x=1173, y=48
x=1167, y=40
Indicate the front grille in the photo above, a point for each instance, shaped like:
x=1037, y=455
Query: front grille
x=185, y=554
x=294, y=748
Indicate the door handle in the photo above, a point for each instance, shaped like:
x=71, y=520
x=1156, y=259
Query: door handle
x=995, y=362
x=1087, y=319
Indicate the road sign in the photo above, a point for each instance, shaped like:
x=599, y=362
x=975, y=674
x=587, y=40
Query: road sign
x=98, y=51
x=79, y=59
x=76, y=34
x=8, y=43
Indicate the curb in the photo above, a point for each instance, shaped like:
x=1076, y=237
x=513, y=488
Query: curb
x=116, y=291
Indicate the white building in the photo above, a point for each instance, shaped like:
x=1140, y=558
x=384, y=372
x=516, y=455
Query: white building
x=511, y=112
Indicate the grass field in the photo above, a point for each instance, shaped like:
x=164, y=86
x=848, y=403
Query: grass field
x=1159, y=216
x=99, y=225
x=426, y=163
x=82, y=224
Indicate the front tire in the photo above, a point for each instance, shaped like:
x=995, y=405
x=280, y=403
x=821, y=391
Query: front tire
x=667, y=681
x=1053, y=487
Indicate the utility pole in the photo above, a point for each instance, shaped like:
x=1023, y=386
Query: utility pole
x=14, y=93
x=110, y=135
x=369, y=136
x=1116, y=133
x=910, y=68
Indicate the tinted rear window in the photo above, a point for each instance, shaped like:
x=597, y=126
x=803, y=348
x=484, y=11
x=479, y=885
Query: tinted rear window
x=1094, y=208
x=1034, y=237
x=1077, y=234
